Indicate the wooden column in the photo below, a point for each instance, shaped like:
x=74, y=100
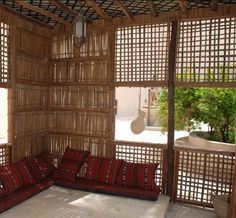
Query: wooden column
x=233, y=196
x=171, y=127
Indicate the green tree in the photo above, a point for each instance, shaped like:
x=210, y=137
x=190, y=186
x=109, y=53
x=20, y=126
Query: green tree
x=215, y=107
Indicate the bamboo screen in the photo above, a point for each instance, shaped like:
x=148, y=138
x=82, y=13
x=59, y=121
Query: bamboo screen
x=141, y=54
x=207, y=52
x=4, y=53
x=81, y=96
x=201, y=174
x=30, y=91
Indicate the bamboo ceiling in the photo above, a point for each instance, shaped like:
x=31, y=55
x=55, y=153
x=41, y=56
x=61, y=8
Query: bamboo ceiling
x=51, y=12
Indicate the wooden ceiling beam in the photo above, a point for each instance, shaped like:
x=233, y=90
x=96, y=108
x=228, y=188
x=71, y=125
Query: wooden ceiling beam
x=41, y=11
x=183, y=6
x=64, y=8
x=98, y=10
x=152, y=7
x=214, y=5
x=124, y=9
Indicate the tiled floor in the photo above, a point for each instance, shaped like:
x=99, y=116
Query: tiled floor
x=178, y=210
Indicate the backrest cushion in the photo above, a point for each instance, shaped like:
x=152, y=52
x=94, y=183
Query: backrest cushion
x=70, y=164
x=15, y=176
x=138, y=175
x=102, y=169
x=37, y=167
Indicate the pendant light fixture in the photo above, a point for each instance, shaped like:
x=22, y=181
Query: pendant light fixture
x=79, y=30
x=137, y=125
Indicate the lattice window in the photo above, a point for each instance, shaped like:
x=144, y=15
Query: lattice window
x=199, y=175
x=4, y=53
x=207, y=51
x=144, y=153
x=141, y=53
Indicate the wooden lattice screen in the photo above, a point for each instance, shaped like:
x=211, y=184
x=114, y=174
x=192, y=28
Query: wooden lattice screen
x=138, y=152
x=5, y=154
x=141, y=54
x=207, y=52
x=4, y=54
x=200, y=174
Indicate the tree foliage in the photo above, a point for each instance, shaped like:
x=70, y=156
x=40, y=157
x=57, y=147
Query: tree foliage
x=215, y=107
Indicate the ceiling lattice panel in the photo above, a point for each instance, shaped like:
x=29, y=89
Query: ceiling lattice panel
x=110, y=7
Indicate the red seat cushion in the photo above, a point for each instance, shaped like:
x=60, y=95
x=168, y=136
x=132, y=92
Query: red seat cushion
x=23, y=194
x=15, y=176
x=138, y=175
x=115, y=189
x=102, y=169
x=71, y=163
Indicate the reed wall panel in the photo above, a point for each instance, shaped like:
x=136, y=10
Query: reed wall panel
x=198, y=175
x=30, y=122
x=81, y=123
x=88, y=71
x=96, y=45
x=32, y=44
x=31, y=97
x=81, y=95
x=29, y=90
x=57, y=143
x=32, y=69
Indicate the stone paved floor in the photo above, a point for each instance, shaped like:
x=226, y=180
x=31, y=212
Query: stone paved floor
x=178, y=210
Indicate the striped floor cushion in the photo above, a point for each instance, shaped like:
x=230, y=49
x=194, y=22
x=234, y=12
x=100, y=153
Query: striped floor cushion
x=138, y=175
x=102, y=169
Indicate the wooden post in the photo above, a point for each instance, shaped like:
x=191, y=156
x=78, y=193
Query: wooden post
x=232, y=213
x=171, y=128
x=149, y=102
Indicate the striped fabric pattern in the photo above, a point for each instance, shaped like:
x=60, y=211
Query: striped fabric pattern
x=15, y=176
x=3, y=192
x=37, y=167
x=102, y=169
x=138, y=175
x=71, y=163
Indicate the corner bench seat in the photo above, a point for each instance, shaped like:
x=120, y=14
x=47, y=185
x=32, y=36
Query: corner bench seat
x=93, y=186
x=24, y=193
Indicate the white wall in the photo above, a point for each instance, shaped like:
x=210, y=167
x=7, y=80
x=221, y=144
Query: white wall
x=128, y=101
x=3, y=115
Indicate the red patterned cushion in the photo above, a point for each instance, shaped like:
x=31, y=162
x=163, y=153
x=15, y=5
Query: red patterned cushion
x=3, y=192
x=47, y=157
x=15, y=176
x=37, y=167
x=25, y=173
x=138, y=175
x=102, y=169
x=71, y=163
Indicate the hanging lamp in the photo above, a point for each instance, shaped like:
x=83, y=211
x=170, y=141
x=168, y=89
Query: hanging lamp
x=79, y=30
x=137, y=125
